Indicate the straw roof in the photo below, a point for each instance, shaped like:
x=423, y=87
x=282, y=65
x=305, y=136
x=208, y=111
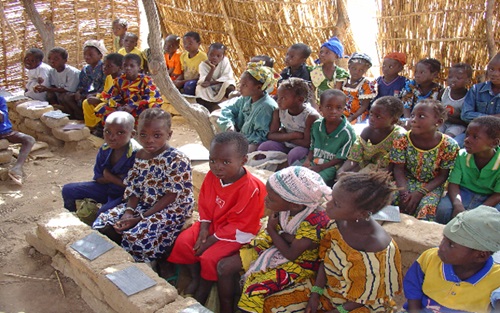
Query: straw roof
x=254, y=27
x=75, y=21
x=450, y=31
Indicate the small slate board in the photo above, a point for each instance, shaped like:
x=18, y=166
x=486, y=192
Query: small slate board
x=131, y=280
x=92, y=246
x=196, y=308
x=389, y=213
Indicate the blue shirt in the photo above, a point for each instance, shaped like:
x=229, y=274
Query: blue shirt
x=5, y=125
x=480, y=101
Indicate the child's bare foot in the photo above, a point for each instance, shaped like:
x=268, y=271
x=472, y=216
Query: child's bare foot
x=16, y=175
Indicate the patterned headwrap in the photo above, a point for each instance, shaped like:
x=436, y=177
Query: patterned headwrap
x=398, y=56
x=334, y=45
x=477, y=229
x=98, y=44
x=356, y=56
x=263, y=74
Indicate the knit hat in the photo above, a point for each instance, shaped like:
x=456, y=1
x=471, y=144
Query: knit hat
x=356, y=56
x=263, y=74
x=98, y=44
x=477, y=229
x=398, y=56
x=334, y=45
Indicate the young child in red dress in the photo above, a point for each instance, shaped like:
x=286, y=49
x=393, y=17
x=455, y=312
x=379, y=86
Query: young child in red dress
x=230, y=204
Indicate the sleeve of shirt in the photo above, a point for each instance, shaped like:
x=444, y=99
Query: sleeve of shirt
x=495, y=296
x=407, y=95
x=449, y=154
x=397, y=154
x=343, y=151
x=73, y=81
x=151, y=96
x=229, y=113
x=262, y=121
x=456, y=172
x=99, y=164
x=205, y=205
x=469, y=107
x=413, y=282
x=177, y=64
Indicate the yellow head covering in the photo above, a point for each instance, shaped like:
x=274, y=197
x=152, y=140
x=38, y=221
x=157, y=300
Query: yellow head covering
x=263, y=74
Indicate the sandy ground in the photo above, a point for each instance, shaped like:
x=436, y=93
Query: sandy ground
x=28, y=283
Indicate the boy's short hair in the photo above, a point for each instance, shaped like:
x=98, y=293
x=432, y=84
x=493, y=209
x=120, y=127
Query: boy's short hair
x=268, y=61
x=193, y=35
x=116, y=58
x=393, y=105
x=173, y=38
x=156, y=114
x=62, y=52
x=303, y=48
x=433, y=64
x=133, y=57
x=331, y=93
x=465, y=67
x=121, y=21
x=491, y=125
x=121, y=117
x=128, y=34
x=236, y=138
x=217, y=46
x=297, y=85
x=37, y=53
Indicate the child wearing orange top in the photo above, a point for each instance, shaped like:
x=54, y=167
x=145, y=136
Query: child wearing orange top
x=173, y=56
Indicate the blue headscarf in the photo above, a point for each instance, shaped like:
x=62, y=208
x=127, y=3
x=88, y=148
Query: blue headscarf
x=335, y=46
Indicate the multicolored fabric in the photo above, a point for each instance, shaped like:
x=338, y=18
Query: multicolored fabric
x=175, y=63
x=259, y=285
x=334, y=45
x=368, y=278
x=89, y=110
x=398, y=56
x=365, y=153
x=364, y=90
x=359, y=56
x=150, y=180
x=191, y=66
x=263, y=74
x=322, y=83
x=91, y=79
x=421, y=166
x=412, y=94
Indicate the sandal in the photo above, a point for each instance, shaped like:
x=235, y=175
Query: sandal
x=18, y=179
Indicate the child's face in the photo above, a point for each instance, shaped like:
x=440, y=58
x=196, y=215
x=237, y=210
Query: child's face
x=248, y=86
x=274, y=202
x=477, y=139
x=332, y=108
x=91, y=56
x=171, y=46
x=119, y=30
x=391, y=67
x=215, y=56
x=131, y=69
x=457, y=78
x=380, y=117
x=357, y=70
x=423, y=74
x=117, y=135
x=56, y=61
x=31, y=62
x=327, y=56
x=154, y=136
x=294, y=58
x=190, y=44
x=129, y=43
x=226, y=162
x=287, y=98
x=454, y=254
x=110, y=68
x=341, y=206
x=423, y=119
x=493, y=72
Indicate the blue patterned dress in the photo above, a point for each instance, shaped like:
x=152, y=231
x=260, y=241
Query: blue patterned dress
x=150, y=180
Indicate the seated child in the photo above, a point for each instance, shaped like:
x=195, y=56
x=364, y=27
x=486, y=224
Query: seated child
x=114, y=159
x=231, y=204
x=391, y=83
x=120, y=26
x=158, y=197
x=453, y=97
x=26, y=141
x=460, y=275
x=331, y=137
x=295, y=60
x=358, y=89
x=38, y=74
x=327, y=75
x=132, y=92
x=173, y=56
x=216, y=76
x=285, y=252
x=423, y=86
x=475, y=179
x=290, y=130
x=361, y=264
x=191, y=59
x=372, y=146
x=112, y=68
x=92, y=75
x=130, y=46
x=251, y=113
x=63, y=82
x=422, y=161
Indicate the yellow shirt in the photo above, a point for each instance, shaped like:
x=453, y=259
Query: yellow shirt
x=122, y=51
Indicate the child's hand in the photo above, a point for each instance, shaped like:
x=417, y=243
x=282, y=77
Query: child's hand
x=40, y=80
x=212, y=66
x=272, y=222
x=93, y=101
x=40, y=88
x=78, y=96
x=307, y=163
x=202, y=238
x=457, y=208
x=205, y=84
x=411, y=204
x=179, y=83
x=125, y=224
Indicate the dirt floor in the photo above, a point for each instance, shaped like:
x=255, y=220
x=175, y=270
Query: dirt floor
x=28, y=283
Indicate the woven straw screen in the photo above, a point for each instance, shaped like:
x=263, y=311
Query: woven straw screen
x=254, y=27
x=74, y=21
x=450, y=31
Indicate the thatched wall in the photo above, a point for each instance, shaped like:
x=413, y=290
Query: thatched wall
x=74, y=21
x=450, y=31
x=251, y=27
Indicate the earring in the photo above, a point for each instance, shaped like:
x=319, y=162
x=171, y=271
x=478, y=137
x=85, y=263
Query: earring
x=357, y=220
x=437, y=125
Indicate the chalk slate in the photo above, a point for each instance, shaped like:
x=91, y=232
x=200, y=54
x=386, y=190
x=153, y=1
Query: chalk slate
x=92, y=246
x=131, y=280
x=196, y=308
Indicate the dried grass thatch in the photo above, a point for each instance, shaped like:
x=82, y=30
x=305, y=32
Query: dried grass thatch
x=450, y=31
x=74, y=22
x=253, y=27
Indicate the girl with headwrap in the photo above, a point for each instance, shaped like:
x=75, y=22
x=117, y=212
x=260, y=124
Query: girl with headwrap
x=327, y=75
x=391, y=83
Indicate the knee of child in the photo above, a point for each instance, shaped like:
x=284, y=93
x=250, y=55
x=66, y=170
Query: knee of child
x=229, y=266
